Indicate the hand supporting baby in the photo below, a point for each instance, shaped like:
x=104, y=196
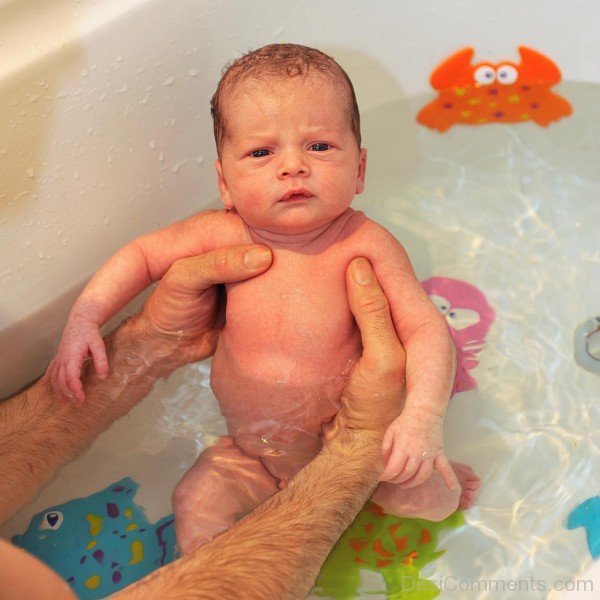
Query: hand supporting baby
x=413, y=446
x=183, y=313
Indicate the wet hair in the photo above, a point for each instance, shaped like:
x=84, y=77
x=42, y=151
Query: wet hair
x=280, y=60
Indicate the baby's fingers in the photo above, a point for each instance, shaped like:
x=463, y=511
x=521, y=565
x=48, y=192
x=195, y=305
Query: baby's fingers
x=52, y=375
x=410, y=468
x=442, y=465
x=422, y=474
x=62, y=390
x=98, y=352
x=72, y=378
x=394, y=466
x=387, y=445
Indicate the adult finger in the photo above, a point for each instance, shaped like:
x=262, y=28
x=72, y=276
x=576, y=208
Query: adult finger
x=370, y=308
x=371, y=400
x=185, y=300
x=223, y=265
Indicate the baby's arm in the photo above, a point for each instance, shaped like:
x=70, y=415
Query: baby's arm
x=413, y=444
x=133, y=268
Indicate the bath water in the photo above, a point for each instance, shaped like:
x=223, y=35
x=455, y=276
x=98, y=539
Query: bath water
x=513, y=210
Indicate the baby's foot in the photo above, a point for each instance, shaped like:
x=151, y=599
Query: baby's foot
x=469, y=483
x=432, y=500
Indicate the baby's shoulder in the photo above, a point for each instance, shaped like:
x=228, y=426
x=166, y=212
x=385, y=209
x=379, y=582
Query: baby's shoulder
x=360, y=229
x=224, y=226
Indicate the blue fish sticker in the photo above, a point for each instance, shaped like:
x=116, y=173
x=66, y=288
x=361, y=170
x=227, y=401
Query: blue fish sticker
x=587, y=514
x=101, y=543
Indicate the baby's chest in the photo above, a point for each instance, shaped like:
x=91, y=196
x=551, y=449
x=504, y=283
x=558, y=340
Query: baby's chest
x=300, y=297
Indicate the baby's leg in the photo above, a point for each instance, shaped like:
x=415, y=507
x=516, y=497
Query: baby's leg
x=431, y=500
x=221, y=486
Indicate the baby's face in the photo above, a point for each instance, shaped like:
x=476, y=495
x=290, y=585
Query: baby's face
x=289, y=163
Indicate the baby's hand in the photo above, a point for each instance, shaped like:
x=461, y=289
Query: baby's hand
x=412, y=448
x=81, y=339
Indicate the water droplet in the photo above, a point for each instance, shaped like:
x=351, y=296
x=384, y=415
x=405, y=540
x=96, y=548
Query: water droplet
x=75, y=175
x=31, y=172
x=277, y=31
x=84, y=73
x=199, y=159
x=193, y=72
x=28, y=244
x=152, y=145
x=169, y=80
x=33, y=98
x=177, y=167
x=161, y=157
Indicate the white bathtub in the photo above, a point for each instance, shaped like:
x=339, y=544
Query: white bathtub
x=105, y=131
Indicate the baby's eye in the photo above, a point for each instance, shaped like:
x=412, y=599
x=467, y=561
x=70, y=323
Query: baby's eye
x=260, y=153
x=319, y=147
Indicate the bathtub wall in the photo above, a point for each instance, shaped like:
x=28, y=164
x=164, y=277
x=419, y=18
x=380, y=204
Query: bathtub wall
x=104, y=126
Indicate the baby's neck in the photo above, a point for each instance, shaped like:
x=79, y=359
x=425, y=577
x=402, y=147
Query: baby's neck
x=314, y=241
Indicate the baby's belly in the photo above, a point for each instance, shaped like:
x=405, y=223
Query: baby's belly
x=258, y=388
x=274, y=404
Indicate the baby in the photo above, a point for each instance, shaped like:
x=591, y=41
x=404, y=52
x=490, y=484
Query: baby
x=290, y=162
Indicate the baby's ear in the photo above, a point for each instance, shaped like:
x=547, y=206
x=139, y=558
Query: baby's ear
x=223, y=189
x=362, y=168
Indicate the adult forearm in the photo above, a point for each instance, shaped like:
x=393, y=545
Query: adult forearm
x=39, y=435
x=277, y=550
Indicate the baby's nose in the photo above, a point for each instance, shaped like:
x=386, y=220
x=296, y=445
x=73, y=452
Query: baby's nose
x=293, y=164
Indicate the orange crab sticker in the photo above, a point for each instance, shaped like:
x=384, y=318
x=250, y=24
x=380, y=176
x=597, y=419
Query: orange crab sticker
x=494, y=93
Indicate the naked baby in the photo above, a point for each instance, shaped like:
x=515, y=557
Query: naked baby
x=290, y=162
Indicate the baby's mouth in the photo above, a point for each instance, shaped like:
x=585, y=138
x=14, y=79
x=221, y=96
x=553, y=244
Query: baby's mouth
x=296, y=195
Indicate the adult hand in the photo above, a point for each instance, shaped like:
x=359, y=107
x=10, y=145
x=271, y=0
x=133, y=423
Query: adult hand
x=372, y=399
x=183, y=309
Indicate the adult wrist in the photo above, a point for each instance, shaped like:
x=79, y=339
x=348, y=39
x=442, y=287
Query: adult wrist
x=140, y=350
x=348, y=442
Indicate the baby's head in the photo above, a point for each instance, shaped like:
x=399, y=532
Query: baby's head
x=287, y=129
x=280, y=62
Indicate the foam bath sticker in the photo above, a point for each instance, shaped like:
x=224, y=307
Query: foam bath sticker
x=587, y=514
x=393, y=548
x=494, y=92
x=469, y=317
x=101, y=543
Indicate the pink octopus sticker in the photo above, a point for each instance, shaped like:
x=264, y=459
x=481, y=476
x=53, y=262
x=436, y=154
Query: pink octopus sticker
x=469, y=317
